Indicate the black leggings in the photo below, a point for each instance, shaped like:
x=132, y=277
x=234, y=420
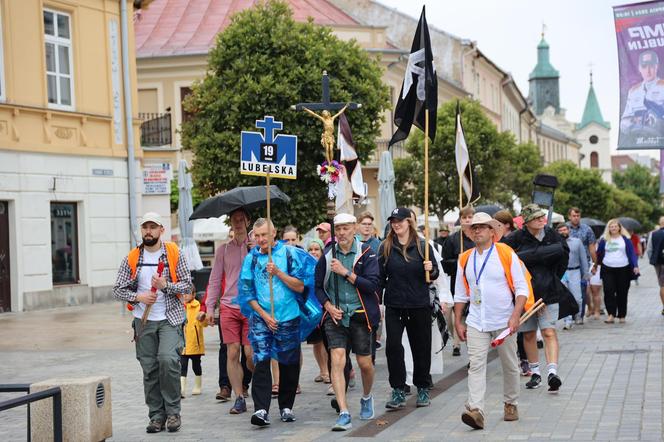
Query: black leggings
x=195, y=364
x=417, y=322
x=616, y=281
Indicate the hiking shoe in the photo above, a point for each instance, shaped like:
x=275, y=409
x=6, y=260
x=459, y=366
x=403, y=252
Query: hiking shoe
x=260, y=418
x=511, y=413
x=456, y=351
x=224, y=394
x=173, y=423
x=366, y=408
x=525, y=368
x=287, y=415
x=398, y=399
x=423, y=397
x=155, y=426
x=534, y=382
x=343, y=422
x=240, y=406
x=473, y=418
x=335, y=405
x=554, y=382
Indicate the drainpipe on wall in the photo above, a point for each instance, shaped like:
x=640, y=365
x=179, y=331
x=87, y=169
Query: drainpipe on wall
x=126, y=79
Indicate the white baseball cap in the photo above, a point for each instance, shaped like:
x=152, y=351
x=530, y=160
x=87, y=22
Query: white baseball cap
x=152, y=217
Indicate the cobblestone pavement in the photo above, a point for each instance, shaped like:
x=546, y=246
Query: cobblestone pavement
x=612, y=383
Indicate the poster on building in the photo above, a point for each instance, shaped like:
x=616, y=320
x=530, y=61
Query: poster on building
x=640, y=35
x=157, y=179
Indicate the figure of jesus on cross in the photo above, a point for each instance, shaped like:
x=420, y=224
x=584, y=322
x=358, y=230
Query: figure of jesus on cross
x=327, y=137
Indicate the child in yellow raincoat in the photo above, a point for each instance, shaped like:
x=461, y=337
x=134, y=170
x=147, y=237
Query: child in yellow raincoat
x=194, y=345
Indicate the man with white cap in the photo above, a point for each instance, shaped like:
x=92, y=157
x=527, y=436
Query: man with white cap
x=160, y=341
x=489, y=277
x=346, y=287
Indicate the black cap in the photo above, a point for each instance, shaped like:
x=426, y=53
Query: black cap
x=399, y=213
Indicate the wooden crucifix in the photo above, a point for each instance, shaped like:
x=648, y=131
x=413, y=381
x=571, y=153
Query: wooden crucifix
x=328, y=142
x=327, y=137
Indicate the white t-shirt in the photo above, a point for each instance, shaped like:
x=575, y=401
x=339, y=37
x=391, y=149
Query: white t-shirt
x=494, y=308
x=158, y=311
x=615, y=254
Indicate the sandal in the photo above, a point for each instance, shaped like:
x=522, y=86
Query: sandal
x=609, y=321
x=318, y=378
x=326, y=379
x=275, y=389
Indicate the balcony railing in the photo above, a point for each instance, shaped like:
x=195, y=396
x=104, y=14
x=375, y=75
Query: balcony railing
x=156, y=130
x=398, y=151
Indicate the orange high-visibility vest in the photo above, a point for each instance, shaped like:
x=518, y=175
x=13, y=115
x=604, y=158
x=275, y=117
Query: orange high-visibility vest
x=172, y=256
x=505, y=255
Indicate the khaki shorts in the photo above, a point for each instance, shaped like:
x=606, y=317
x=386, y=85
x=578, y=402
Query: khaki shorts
x=659, y=270
x=545, y=318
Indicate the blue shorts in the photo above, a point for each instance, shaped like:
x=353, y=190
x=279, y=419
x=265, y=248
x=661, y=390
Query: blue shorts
x=282, y=345
x=545, y=318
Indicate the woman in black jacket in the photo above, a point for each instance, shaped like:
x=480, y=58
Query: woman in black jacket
x=407, y=305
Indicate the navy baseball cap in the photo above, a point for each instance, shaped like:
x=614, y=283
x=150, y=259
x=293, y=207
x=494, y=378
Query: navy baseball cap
x=400, y=213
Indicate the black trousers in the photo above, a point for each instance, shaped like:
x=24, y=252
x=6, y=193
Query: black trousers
x=195, y=364
x=520, y=348
x=417, y=322
x=223, y=358
x=261, y=386
x=616, y=281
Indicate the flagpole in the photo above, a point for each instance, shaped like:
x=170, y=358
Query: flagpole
x=269, y=246
x=426, y=190
x=460, y=209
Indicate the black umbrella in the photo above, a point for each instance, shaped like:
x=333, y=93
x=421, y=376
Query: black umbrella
x=490, y=209
x=248, y=198
x=592, y=222
x=630, y=223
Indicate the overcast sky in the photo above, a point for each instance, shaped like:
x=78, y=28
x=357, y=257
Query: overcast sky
x=578, y=32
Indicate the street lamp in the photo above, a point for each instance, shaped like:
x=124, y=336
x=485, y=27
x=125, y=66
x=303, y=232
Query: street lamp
x=545, y=187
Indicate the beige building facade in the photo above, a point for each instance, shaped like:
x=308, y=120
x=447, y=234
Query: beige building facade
x=64, y=194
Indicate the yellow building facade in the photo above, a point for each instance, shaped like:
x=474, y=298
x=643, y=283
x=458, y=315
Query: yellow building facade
x=64, y=190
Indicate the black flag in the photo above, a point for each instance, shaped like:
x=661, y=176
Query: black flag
x=419, y=90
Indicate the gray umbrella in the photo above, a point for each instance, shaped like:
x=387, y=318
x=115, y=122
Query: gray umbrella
x=386, y=199
x=185, y=209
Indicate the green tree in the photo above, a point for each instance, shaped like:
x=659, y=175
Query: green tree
x=500, y=170
x=638, y=180
x=263, y=63
x=583, y=188
x=196, y=197
x=627, y=203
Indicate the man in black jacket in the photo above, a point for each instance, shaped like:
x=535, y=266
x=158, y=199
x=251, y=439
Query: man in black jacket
x=545, y=255
x=450, y=254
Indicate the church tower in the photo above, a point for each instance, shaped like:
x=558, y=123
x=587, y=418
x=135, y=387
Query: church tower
x=544, y=88
x=593, y=134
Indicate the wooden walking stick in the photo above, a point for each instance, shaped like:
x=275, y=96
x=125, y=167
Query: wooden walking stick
x=153, y=289
x=524, y=317
x=269, y=247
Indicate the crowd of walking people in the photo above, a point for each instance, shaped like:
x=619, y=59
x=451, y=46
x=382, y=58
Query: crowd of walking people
x=341, y=294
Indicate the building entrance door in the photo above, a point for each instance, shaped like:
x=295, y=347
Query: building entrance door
x=5, y=288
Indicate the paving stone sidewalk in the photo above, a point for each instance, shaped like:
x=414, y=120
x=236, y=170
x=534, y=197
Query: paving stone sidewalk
x=612, y=383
